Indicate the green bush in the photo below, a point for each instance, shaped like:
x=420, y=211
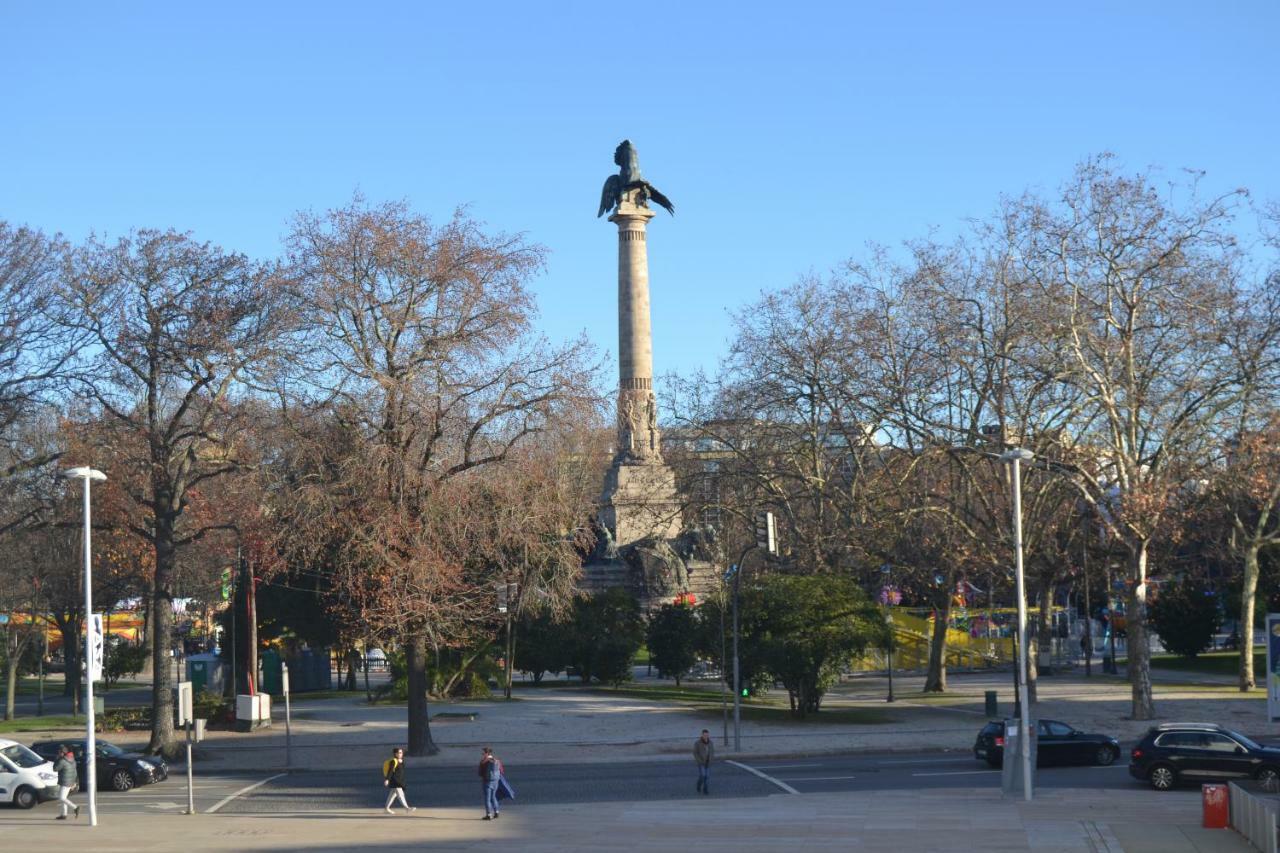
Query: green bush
x=604, y=634
x=1186, y=616
x=123, y=660
x=673, y=636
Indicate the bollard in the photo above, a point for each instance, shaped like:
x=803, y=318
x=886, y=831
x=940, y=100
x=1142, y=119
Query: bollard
x=993, y=708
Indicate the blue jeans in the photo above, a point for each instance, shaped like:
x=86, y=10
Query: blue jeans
x=704, y=776
x=491, y=797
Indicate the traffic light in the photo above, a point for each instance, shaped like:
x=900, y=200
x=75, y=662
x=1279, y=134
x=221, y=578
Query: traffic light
x=766, y=533
x=745, y=691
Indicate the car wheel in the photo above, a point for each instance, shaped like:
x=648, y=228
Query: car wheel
x=994, y=763
x=122, y=780
x=1163, y=777
x=1270, y=779
x=1106, y=757
x=24, y=798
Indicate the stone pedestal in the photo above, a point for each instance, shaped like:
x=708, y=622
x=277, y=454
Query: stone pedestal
x=640, y=502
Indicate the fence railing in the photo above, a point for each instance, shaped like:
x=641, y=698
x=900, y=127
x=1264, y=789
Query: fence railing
x=1253, y=814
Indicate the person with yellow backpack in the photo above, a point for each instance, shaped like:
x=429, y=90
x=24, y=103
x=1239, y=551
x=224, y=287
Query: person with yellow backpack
x=393, y=779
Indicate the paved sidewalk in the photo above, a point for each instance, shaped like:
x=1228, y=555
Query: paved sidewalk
x=889, y=822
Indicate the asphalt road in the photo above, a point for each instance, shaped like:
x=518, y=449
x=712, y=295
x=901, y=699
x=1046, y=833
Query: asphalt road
x=654, y=780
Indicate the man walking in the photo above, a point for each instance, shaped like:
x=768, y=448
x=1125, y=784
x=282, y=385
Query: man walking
x=68, y=780
x=490, y=777
x=393, y=779
x=703, y=751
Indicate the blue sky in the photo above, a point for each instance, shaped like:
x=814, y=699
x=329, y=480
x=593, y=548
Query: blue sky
x=788, y=135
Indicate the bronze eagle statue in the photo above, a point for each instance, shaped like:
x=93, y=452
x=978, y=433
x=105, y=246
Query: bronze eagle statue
x=629, y=178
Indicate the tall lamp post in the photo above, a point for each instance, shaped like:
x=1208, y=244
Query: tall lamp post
x=91, y=747
x=1015, y=457
x=889, y=597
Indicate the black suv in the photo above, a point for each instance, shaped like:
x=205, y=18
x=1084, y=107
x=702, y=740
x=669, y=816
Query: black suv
x=1193, y=752
x=1057, y=743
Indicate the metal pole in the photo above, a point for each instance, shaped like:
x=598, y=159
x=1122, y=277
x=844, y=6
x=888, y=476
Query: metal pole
x=288, y=731
x=1023, y=727
x=890, y=655
x=235, y=649
x=724, y=682
x=737, y=685
x=1088, y=612
x=191, y=789
x=44, y=653
x=91, y=745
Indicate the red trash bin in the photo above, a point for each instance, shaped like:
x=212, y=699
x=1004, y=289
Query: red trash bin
x=1217, y=814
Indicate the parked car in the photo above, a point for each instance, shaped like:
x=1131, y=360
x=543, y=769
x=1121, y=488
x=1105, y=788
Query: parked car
x=1172, y=753
x=117, y=769
x=25, y=777
x=1058, y=743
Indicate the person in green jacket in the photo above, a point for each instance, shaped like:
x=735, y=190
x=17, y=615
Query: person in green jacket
x=68, y=780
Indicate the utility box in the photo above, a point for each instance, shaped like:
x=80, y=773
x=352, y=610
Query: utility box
x=206, y=672
x=253, y=712
x=1011, y=766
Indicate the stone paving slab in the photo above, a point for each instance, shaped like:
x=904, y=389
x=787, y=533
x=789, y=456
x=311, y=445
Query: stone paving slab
x=1070, y=821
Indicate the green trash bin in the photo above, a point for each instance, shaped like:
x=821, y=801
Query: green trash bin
x=272, y=674
x=199, y=676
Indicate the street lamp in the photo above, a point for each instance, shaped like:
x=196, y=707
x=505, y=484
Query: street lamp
x=888, y=596
x=1015, y=457
x=91, y=747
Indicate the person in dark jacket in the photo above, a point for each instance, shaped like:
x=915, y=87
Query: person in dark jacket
x=490, y=776
x=703, y=751
x=393, y=779
x=68, y=781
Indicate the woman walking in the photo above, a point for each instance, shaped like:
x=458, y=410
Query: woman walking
x=393, y=779
x=490, y=777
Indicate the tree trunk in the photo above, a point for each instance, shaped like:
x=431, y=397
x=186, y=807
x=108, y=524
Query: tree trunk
x=420, y=743
x=936, y=679
x=69, y=628
x=1248, y=598
x=1041, y=638
x=1136, y=632
x=162, y=622
x=11, y=683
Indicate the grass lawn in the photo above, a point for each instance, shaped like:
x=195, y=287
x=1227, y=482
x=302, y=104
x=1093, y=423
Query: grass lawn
x=1212, y=663
x=40, y=724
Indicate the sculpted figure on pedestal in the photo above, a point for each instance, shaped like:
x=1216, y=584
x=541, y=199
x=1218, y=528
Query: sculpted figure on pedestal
x=629, y=178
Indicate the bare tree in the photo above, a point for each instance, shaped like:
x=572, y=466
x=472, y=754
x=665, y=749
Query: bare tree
x=178, y=328
x=36, y=349
x=1140, y=289
x=421, y=346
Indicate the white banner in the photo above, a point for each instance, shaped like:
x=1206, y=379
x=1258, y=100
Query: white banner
x=95, y=646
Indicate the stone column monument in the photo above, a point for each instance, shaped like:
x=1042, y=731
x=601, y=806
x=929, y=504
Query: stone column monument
x=639, y=500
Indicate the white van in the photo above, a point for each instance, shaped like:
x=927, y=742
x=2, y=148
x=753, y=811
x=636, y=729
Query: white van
x=25, y=778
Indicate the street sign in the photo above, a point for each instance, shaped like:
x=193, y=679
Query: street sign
x=94, y=629
x=507, y=595
x=183, y=704
x=4, y=618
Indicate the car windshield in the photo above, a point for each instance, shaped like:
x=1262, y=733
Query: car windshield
x=21, y=756
x=109, y=749
x=1249, y=744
